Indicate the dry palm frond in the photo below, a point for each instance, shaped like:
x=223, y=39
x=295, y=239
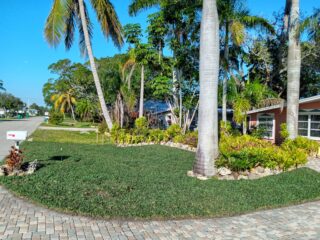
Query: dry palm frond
x=271, y=102
x=238, y=32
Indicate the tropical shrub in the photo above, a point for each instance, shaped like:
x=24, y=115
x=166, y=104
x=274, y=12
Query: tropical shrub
x=56, y=118
x=284, y=133
x=258, y=132
x=178, y=138
x=225, y=128
x=141, y=126
x=115, y=133
x=191, y=139
x=173, y=131
x=309, y=146
x=246, y=152
x=157, y=136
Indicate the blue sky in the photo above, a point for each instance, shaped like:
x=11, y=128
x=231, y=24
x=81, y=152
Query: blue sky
x=25, y=56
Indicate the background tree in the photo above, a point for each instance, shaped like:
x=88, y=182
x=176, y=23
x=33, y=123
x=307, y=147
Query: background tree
x=10, y=102
x=234, y=20
x=64, y=101
x=61, y=24
x=1, y=86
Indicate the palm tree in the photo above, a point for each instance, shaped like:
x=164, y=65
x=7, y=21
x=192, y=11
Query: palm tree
x=64, y=101
x=61, y=23
x=1, y=86
x=208, y=150
x=247, y=96
x=294, y=68
x=234, y=19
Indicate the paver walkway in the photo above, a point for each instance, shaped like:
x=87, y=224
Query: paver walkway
x=22, y=220
x=29, y=125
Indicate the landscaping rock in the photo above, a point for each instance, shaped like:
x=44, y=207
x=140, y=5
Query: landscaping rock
x=242, y=177
x=190, y=174
x=259, y=170
x=224, y=171
x=32, y=167
x=227, y=177
x=202, y=178
x=267, y=172
x=253, y=176
x=235, y=175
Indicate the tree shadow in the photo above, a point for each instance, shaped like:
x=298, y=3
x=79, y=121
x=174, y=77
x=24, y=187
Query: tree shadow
x=59, y=158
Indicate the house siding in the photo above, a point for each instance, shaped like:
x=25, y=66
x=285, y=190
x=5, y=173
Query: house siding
x=280, y=116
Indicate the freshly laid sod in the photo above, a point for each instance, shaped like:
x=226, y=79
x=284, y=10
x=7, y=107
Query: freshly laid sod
x=146, y=182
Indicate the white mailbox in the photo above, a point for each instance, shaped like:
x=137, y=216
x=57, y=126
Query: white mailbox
x=17, y=135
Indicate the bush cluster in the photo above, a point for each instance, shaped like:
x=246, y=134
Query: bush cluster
x=246, y=152
x=140, y=134
x=56, y=118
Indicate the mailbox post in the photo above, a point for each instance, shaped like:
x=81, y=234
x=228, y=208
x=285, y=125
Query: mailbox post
x=17, y=137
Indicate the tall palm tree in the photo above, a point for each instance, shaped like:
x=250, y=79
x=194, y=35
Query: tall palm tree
x=1, y=86
x=294, y=68
x=234, y=19
x=65, y=14
x=208, y=150
x=64, y=101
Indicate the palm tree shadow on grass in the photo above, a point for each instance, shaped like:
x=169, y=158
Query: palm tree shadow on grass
x=59, y=158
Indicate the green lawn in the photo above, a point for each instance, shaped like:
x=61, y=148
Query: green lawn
x=67, y=123
x=68, y=137
x=146, y=182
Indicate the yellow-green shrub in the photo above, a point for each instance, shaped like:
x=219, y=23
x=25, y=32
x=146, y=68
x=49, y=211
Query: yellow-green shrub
x=309, y=146
x=173, y=130
x=246, y=152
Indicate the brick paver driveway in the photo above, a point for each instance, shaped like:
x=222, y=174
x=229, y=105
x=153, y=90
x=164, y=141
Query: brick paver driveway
x=22, y=220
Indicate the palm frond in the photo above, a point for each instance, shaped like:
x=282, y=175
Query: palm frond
x=311, y=25
x=109, y=21
x=82, y=43
x=70, y=24
x=55, y=23
x=271, y=102
x=256, y=21
x=237, y=32
x=138, y=5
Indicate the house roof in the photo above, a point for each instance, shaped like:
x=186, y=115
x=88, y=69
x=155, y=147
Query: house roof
x=302, y=100
x=156, y=107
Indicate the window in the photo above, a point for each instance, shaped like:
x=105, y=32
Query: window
x=266, y=122
x=303, y=125
x=309, y=124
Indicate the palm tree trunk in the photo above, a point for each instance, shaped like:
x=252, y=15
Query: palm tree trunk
x=130, y=76
x=96, y=79
x=225, y=79
x=244, y=127
x=294, y=68
x=141, y=92
x=207, y=150
x=72, y=112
